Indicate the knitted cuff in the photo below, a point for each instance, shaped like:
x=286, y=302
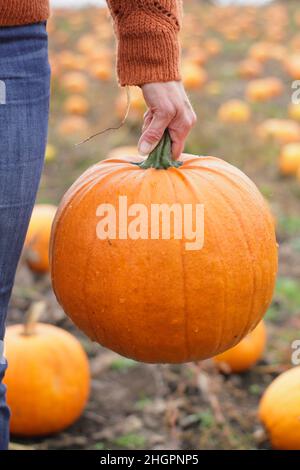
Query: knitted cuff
x=148, y=45
x=16, y=12
x=148, y=58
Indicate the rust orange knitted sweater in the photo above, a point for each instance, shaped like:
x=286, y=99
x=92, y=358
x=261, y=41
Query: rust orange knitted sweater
x=146, y=31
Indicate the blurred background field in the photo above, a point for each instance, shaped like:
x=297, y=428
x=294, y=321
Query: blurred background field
x=252, y=125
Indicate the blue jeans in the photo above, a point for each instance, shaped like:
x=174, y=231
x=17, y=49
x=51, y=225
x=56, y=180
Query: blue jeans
x=25, y=80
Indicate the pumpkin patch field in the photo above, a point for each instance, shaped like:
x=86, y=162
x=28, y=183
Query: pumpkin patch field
x=217, y=377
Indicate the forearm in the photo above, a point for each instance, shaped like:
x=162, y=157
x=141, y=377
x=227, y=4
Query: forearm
x=147, y=35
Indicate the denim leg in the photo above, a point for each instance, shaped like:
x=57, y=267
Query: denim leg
x=25, y=77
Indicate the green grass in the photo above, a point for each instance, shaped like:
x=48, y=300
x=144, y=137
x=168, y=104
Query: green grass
x=255, y=389
x=142, y=403
x=130, y=441
x=289, y=225
x=99, y=446
x=288, y=292
x=123, y=364
x=207, y=419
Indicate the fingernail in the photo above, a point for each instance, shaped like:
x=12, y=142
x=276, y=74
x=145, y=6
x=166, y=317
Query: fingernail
x=145, y=148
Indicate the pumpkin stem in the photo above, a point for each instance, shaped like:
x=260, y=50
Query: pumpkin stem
x=32, y=317
x=161, y=157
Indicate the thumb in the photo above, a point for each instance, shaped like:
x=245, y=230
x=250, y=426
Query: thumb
x=153, y=134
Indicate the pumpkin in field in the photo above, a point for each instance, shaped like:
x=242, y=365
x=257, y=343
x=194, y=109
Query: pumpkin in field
x=289, y=160
x=197, y=55
x=50, y=153
x=213, y=87
x=141, y=288
x=260, y=51
x=76, y=104
x=283, y=130
x=193, y=76
x=279, y=410
x=70, y=61
x=75, y=82
x=294, y=111
x=48, y=377
x=38, y=237
x=102, y=71
x=234, y=111
x=73, y=125
x=100, y=55
x=212, y=46
x=250, y=68
x=246, y=353
x=87, y=43
x=264, y=89
x=292, y=65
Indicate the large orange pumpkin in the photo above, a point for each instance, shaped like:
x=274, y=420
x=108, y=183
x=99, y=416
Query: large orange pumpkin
x=152, y=299
x=279, y=410
x=245, y=354
x=47, y=379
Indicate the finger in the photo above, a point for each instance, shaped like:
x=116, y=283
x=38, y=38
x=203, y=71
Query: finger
x=152, y=135
x=147, y=120
x=177, y=149
x=179, y=128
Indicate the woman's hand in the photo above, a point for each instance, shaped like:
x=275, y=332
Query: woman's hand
x=169, y=107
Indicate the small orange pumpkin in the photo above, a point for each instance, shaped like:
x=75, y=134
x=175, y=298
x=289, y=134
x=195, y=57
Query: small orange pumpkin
x=283, y=130
x=87, y=43
x=294, y=111
x=75, y=82
x=212, y=46
x=250, y=68
x=279, y=410
x=234, y=111
x=264, y=89
x=151, y=298
x=102, y=70
x=76, y=104
x=197, y=55
x=292, y=65
x=50, y=154
x=289, y=160
x=194, y=76
x=70, y=61
x=73, y=125
x=246, y=353
x=47, y=379
x=38, y=237
x=260, y=51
